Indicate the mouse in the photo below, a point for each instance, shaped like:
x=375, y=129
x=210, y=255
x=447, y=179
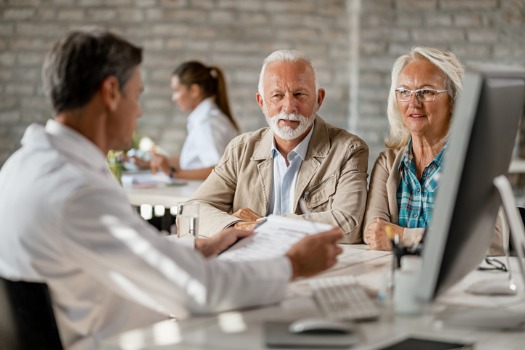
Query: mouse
x=319, y=326
x=493, y=287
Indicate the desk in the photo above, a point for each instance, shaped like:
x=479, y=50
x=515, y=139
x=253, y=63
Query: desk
x=244, y=329
x=164, y=195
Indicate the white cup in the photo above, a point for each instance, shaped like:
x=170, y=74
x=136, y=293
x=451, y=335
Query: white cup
x=406, y=281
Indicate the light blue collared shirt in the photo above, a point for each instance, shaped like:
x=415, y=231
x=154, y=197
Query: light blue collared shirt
x=285, y=177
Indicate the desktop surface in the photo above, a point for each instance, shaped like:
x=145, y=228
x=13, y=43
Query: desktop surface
x=162, y=194
x=245, y=329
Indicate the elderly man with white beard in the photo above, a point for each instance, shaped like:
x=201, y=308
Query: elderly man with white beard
x=299, y=156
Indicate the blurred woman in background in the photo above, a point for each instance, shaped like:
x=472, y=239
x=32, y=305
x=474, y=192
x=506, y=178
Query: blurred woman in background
x=200, y=90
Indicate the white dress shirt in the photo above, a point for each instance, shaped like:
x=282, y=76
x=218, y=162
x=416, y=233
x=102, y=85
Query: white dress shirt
x=285, y=177
x=209, y=132
x=66, y=221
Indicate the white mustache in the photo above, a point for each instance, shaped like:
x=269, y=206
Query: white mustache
x=289, y=117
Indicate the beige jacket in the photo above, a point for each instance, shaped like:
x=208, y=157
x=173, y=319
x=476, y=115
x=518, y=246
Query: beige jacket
x=382, y=197
x=332, y=180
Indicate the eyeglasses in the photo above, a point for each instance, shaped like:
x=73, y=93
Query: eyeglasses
x=422, y=95
x=494, y=264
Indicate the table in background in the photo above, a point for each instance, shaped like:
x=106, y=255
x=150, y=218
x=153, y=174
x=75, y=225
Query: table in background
x=154, y=203
x=244, y=329
x=165, y=195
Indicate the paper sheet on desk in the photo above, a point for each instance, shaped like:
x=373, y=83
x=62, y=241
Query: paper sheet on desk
x=146, y=178
x=272, y=238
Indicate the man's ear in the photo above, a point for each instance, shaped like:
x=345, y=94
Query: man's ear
x=110, y=90
x=320, y=97
x=260, y=100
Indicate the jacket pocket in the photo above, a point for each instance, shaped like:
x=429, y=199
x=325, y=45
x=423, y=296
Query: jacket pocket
x=318, y=196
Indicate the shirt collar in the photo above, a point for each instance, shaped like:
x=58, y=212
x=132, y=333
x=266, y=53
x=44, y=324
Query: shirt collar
x=408, y=158
x=201, y=112
x=300, y=149
x=76, y=146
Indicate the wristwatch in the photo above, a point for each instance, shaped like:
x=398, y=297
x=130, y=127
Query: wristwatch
x=172, y=171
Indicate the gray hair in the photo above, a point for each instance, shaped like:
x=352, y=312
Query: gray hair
x=447, y=62
x=286, y=55
x=77, y=64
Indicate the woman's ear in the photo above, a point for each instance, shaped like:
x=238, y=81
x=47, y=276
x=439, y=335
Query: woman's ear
x=195, y=90
x=110, y=90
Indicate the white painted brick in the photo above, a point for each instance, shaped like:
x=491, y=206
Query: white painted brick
x=18, y=14
x=467, y=20
x=7, y=102
x=19, y=88
x=468, y=4
x=486, y=36
x=415, y=5
x=101, y=15
x=251, y=5
x=9, y=117
x=71, y=15
x=6, y=29
x=130, y=15
x=438, y=20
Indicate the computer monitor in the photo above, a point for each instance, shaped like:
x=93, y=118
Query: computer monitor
x=481, y=140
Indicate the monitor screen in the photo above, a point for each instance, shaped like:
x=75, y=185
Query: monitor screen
x=481, y=140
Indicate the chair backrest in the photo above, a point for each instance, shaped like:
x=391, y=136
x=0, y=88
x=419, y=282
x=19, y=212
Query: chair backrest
x=511, y=244
x=27, y=319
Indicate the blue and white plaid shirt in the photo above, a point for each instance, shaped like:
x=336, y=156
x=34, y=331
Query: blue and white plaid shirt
x=415, y=197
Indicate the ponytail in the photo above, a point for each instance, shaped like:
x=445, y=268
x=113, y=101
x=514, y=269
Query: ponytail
x=212, y=82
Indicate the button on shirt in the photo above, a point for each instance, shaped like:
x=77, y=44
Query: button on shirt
x=416, y=197
x=209, y=132
x=66, y=222
x=285, y=177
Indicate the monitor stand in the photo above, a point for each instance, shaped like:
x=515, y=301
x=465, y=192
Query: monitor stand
x=499, y=318
x=514, y=220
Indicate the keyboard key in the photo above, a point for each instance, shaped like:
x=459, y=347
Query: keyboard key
x=342, y=298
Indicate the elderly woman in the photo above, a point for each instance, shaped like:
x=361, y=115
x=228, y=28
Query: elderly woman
x=405, y=176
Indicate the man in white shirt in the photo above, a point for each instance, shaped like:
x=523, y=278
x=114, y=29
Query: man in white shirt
x=298, y=157
x=67, y=222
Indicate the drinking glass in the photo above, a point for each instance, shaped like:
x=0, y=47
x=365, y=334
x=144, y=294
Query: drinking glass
x=187, y=220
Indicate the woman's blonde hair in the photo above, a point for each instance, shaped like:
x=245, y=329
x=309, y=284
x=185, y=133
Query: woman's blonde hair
x=447, y=62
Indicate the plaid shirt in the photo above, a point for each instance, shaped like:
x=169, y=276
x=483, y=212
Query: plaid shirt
x=415, y=198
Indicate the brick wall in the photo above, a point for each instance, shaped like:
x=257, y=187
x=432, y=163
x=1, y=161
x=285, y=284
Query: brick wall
x=475, y=30
x=353, y=44
x=233, y=34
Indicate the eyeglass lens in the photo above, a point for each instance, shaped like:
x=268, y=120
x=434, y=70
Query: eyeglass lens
x=423, y=95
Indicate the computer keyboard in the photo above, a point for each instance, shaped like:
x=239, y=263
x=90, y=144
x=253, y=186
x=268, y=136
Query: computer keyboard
x=342, y=298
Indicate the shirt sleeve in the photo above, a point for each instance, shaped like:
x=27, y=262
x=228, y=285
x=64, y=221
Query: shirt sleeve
x=119, y=249
x=377, y=201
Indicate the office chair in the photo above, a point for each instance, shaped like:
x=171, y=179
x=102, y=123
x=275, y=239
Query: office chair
x=512, y=250
x=27, y=320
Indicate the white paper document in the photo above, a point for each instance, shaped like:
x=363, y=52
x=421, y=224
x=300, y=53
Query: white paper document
x=272, y=238
x=147, y=179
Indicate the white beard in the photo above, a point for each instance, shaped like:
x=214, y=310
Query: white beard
x=286, y=132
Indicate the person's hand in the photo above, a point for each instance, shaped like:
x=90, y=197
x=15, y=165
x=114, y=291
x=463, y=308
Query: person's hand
x=249, y=218
x=246, y=214
x=218, y=243
x=141, y=163
x=245, y=225
x=378, y=235
x=315, y=253
x=159, y=162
